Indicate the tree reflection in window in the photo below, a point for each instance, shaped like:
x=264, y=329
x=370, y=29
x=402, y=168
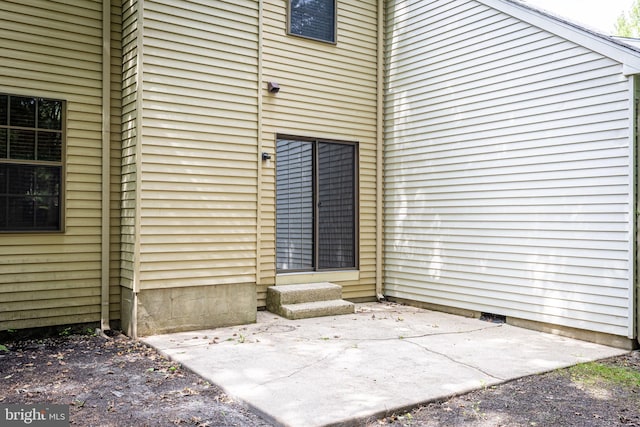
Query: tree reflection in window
x=313, y=18
x=31, y=138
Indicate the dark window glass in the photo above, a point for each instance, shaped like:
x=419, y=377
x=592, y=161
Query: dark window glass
x=31, y=138
x=315, y=205
x=50, y=146
x=336, y=205
x=30, y=197
x=22, y=144
x=3, y=143
x=20, y=180
x=3, y=213
x=3, y=198
x=294, y=198
x=3, y=181
x=22, y=112
x=49, y=114
x=4, y=108
x=313, y=18
x=20, y=213
x=47, y=181
x=47, y=213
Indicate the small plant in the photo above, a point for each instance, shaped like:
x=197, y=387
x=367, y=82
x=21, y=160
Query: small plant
x=406, y=419
x=475, y=411
x=3, y=348
x=173, y=369
x=65, y=332
x=409, y=417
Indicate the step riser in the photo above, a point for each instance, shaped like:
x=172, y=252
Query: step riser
x=293, y=294
x=308, y=300
x=294, y=313
x=300, y=297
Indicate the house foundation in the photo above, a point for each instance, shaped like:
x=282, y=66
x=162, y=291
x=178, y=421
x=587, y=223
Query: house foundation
x=158, y=311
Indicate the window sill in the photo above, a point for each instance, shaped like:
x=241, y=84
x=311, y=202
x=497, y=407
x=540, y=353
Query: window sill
x=316, y=276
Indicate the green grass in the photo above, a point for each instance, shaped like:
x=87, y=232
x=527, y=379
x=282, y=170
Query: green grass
x=594, y=372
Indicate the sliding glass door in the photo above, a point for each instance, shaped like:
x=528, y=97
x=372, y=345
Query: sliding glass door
x=316, y=206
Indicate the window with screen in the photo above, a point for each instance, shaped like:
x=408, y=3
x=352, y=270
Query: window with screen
x=314, y=19
x=315, y=205
x=31, y=153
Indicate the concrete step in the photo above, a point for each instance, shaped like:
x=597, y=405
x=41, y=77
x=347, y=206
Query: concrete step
x=306, y=310
x=307, y=300
x=296, y=294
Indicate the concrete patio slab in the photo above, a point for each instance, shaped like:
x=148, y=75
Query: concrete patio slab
x=385, y=357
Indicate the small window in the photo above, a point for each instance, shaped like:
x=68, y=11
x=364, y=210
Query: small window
x=31, y=147
x=314, y=19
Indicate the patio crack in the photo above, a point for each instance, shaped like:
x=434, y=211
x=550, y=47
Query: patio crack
x=429, y=334
x=300, y=369
x=475, y=368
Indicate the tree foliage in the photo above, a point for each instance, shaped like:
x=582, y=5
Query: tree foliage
x=628, y=24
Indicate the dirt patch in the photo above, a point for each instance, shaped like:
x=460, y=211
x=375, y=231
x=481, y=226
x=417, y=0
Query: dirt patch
x=114, y=382
x=117, y=381
x=599, y=394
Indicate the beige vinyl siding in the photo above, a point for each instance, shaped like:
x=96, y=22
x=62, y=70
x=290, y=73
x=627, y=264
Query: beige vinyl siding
x=198, y=185
x=129, y=141
x=116, y=156
x=506, y=169
x=327, y=91
x=55, y=50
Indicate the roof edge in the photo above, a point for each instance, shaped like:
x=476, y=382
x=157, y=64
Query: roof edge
x=613, y=48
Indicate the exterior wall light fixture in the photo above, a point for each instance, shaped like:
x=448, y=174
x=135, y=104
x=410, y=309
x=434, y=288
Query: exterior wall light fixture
x=273, y=87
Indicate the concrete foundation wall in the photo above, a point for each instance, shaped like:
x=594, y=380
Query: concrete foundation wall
x=126, y=316
x=182, y=309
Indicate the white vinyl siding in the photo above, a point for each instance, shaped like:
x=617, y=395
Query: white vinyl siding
x=328, y=92
x=506, y=169
x=198, y=166
x=56, y=52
